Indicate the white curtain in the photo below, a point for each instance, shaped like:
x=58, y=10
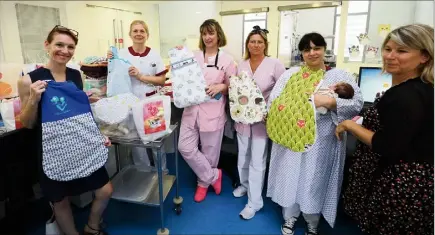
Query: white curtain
x=34, y=23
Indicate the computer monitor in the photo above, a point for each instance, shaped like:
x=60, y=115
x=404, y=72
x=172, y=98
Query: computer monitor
x=372, y=80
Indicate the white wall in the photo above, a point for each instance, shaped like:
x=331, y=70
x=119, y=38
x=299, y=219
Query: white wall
x=395, y=13
x=404, y=12
x=9, y=26
x=424, y=12
x=324, y=18
x=233, y=26
x=93, y=24
x=174, y=20
x=180, y=20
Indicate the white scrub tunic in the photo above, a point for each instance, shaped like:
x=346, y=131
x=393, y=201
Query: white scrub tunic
x=148, y=63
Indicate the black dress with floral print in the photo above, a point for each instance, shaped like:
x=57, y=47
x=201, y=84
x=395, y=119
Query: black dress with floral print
x=393, y=198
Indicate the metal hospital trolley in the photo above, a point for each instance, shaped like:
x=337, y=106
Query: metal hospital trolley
x=147, y=188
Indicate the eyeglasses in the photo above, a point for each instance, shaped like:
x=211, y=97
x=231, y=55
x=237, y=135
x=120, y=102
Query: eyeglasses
x=63, y=28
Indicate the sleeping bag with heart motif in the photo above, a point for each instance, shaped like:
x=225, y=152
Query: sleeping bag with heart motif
x=291, y=120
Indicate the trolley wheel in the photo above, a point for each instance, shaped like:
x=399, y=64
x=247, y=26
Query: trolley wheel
x=178, y=209
x=178, y=200
x=164, y=231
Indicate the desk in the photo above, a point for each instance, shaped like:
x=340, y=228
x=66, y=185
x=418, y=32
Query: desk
x=133, y=185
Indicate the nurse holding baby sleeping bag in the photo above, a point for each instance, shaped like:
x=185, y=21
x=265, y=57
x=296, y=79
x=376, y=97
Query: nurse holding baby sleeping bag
x=204, y=123
x=248, y=108
x=146, y=71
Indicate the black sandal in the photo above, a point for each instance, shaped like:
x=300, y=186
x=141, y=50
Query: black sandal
x=97, y=231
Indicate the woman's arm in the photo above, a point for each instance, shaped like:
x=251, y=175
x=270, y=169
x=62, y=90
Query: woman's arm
x=362, y=134
x=30, y=95
x=155, y=80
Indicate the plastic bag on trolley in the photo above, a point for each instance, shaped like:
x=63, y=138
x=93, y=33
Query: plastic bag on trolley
x=114, y=116
x=188, y=83
x=152, y=117
x=10, y=112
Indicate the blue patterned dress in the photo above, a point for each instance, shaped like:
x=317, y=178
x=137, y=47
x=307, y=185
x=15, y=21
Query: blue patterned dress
x=313, y=179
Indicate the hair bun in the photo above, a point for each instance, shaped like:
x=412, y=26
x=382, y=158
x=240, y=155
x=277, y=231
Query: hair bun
x=258, y=29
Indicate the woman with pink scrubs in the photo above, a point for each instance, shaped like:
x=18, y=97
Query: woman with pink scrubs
x=203, y=124
x=252, y=139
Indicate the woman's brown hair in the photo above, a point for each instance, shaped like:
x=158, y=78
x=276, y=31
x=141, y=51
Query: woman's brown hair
x=58, y=29
x=211, y=26
x=263, y=33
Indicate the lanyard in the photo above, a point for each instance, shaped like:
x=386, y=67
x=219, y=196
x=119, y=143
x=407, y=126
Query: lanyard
x=215, y=61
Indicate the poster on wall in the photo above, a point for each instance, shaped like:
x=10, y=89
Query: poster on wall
x=363, y=39
x=372, y=55
x=383, y=30
x=354, y=51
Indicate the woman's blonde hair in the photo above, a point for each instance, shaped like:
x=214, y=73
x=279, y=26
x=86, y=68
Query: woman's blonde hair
x=266, y=43
x=211, y=26
x=141, y=22
x=419, y=37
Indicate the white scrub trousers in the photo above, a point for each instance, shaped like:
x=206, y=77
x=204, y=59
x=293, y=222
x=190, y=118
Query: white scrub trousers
x=252, y=167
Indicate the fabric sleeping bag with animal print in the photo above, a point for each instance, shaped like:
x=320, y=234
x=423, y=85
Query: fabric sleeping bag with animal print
x=247, y=104
x=152, y=117
x=72, y=145
x=188, y=83
x=291, y=121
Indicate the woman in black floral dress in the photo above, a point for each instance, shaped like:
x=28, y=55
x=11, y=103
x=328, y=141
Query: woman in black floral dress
x=392, y=174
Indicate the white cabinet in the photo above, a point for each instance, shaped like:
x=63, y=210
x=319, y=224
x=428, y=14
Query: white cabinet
x=104, y=27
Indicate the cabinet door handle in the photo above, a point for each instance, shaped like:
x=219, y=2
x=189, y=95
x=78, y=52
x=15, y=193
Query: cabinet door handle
x=114, y=33
x=121, y=40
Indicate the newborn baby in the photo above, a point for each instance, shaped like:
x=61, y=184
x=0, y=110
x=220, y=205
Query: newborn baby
x=341, y=90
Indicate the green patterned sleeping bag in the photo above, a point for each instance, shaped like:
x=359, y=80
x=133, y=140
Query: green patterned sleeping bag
x=291, y=120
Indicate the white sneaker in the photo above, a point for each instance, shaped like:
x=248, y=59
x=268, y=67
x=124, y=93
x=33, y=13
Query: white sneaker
x=248, y=212
x=240, y=191
x=288, y=228
x=312, y=230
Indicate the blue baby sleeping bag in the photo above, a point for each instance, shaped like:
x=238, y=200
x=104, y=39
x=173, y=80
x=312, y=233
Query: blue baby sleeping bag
x=72, y=144
x=118, y=80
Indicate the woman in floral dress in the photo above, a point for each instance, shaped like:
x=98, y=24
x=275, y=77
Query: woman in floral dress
x=391, y=177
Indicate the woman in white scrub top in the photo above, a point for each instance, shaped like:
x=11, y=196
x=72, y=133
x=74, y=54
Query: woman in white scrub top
x=146, y=72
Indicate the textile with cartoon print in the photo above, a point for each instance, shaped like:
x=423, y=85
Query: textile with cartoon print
x=247, y=104
x=188, y=83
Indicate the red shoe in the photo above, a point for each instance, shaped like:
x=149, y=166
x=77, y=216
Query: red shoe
x=218, y=184
x=200, y=194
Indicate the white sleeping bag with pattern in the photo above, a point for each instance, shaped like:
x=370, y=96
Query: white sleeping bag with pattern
x=247, y=104
x=188, y=83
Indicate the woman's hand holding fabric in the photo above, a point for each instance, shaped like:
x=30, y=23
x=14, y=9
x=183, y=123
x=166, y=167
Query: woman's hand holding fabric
x=134, y=72
x=213, y=90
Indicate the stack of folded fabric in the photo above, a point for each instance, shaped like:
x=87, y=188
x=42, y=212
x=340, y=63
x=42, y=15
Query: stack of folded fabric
x=166, y=89
x=95, y=70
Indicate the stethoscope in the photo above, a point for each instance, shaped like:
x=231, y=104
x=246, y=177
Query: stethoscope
x=215, y=61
